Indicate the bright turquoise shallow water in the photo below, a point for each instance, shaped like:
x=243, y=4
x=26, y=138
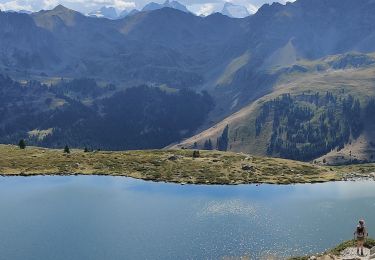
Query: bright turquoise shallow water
x=97, y=217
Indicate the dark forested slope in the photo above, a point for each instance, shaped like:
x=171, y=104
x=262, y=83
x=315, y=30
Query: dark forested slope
x=80, y=113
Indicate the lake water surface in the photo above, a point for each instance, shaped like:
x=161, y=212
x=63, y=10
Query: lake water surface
x=98, y=217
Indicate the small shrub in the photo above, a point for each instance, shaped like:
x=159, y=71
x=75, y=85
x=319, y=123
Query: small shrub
x=22, y=144
x=196, y=154
x=66, y=149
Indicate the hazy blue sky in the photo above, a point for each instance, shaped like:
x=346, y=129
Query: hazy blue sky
x=197, y=6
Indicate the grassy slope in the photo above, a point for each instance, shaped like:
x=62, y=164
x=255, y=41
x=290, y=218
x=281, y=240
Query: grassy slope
x=211, y=168
x=357, y=82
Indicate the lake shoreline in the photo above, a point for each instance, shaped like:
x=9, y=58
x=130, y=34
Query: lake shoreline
x=120, y=175
x=175, y=166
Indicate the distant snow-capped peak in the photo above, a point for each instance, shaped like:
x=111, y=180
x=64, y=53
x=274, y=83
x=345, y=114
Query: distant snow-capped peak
x=173, y=4
x=105, y=12
x=235, y=11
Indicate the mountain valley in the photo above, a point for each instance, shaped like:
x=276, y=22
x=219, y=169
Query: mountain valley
x=303, y=60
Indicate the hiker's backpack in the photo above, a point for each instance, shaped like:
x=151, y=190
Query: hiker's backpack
x=361, y=231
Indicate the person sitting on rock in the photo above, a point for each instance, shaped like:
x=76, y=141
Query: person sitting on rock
x=360, y=234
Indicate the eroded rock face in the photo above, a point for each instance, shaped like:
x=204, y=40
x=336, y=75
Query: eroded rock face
x=349, y=253
x=372, y=253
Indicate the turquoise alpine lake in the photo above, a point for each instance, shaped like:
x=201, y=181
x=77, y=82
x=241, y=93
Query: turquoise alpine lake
x=102, y=217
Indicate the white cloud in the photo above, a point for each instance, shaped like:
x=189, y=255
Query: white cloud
x=48, y=4
x=205, y=9
x=252, y=8
x=79, y=5
x=15, y=5
x=119, y=4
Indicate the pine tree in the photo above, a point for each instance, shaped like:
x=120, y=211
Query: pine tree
x=207, y=145
x=66, y=149
x=86, y=150
x=222, y=141
x=22, y=144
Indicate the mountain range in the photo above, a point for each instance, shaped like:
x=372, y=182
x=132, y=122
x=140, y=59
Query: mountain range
x=306, y=57
x=167, y=4
x=229, y=9
x=111, y=12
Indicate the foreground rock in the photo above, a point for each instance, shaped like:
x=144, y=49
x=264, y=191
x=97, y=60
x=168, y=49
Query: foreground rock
x=349, y=253
x=345, y=251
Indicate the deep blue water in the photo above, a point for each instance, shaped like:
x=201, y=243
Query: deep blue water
x=97, y=217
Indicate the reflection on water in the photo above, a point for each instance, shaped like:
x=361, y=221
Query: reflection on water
x=228, y=207
x=97, y=217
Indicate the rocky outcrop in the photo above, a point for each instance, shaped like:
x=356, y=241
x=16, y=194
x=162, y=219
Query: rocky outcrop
x=349, y=253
